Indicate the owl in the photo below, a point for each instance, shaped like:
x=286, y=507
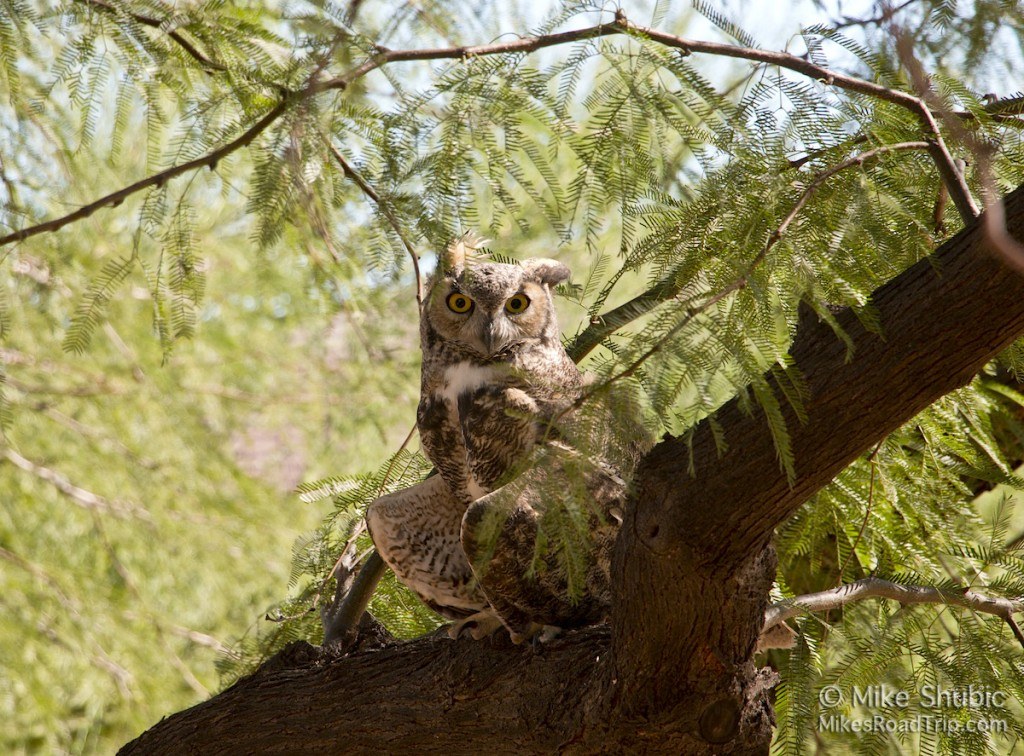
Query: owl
x=497, y=398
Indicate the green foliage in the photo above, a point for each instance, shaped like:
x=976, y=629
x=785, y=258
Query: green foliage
x=264, y=300
x=909, y=513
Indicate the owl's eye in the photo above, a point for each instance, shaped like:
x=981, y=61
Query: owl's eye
x=517, y=304
x=460, y=303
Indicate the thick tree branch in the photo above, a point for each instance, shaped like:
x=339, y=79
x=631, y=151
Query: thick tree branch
x=430, y=695
x=942, y=320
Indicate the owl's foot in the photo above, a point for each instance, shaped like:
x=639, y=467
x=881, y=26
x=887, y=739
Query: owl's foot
x=479, y=625
x=538, y=635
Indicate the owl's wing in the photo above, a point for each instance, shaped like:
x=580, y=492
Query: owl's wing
x=416, y=531
x=567, y=584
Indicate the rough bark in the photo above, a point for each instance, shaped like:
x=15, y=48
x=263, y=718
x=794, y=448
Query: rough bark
x=674, y=672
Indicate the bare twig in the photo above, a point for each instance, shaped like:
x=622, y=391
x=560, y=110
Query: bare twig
x=352, y=11
x=658, y=345
x=873, y=587
x=882, y=17
x=1015, y=629
x=81, y=497
x=386, y=211
x=867, y=513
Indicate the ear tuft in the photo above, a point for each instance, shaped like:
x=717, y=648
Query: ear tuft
x=550, y=272
x=460, y=248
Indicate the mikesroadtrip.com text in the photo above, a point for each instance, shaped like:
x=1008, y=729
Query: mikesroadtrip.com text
x=929, y=709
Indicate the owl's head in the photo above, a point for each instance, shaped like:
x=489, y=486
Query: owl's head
x=488, y=309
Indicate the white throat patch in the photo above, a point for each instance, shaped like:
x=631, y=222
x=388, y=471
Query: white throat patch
x=464, y=377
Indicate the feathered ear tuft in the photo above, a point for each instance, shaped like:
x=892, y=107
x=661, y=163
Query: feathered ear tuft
x=550, y=272
x=461, y=248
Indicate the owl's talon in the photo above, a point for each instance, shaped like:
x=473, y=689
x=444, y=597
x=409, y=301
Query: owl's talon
x=479, y=626
x=538, y=635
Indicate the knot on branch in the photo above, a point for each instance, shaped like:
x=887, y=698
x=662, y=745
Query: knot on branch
x=720, y=722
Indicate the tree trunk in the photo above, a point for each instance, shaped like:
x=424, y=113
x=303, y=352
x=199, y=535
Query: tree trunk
x=691, y=572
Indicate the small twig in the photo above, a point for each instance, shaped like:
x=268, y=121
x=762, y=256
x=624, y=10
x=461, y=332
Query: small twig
x=658, y=345
x=801, y=161
x=883, y=17
x=81, y=497
x=873, y=587
x=386, y=211
x=824, y=176
x=352, y=11
x=210, y=66
x=867, y=512
x=1015, y=628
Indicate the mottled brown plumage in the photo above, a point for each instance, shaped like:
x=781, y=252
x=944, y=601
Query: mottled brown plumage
x=494, y=377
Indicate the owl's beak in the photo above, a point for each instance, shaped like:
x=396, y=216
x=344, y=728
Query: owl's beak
x=493, y=338
x=496, y=337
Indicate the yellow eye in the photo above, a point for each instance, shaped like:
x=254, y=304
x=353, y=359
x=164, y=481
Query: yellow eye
x=517, y=304
x=459, y=303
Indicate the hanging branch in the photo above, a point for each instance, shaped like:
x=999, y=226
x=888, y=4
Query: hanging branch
x=157, y=179
x=994, y=219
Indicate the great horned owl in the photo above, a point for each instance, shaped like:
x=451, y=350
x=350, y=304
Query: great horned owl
x=496, y=388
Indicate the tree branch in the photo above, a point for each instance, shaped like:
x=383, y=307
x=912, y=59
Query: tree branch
x=954, y=181
x=81, y=497
x=157, y=179
x=386, y=211
x=873, y=587
x=947, y=169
